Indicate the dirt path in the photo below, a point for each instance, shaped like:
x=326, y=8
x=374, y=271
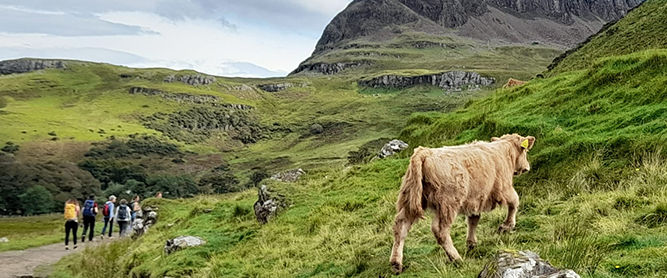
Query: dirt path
x=23, y=263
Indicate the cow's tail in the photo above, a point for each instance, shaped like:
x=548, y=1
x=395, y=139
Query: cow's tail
x=411, y=197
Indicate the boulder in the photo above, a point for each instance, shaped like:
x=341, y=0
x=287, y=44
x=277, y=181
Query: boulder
x=182, y=242
x=392, y=148
x=4, y=240
x=268, y=204
x=523, y=264
x=289, y=176
x=138, y=227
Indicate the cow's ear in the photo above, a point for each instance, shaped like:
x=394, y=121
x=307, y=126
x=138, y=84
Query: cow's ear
x=494, y=139
x=531, y=142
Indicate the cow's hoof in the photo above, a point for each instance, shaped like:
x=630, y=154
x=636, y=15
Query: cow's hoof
x=397, y=268
x=471, y=244
x=504, y=229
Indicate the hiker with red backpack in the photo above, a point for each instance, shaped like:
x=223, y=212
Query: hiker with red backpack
x=108, y=213
x=89, y=213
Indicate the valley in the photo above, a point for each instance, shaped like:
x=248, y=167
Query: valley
x=594, y=200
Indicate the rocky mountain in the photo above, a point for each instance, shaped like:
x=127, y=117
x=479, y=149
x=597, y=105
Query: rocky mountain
x=556, y=23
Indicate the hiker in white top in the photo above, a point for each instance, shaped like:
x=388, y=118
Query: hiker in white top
x=123, y=216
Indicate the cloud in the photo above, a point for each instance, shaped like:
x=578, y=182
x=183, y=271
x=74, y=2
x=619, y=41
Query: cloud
x=17, y=20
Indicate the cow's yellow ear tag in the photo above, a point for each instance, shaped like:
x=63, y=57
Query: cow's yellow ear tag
x=525, y=144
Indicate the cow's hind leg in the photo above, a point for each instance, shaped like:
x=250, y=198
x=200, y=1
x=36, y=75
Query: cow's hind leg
x=441, y=226
x=473, y=220
x=402, y=226
x=512, y=208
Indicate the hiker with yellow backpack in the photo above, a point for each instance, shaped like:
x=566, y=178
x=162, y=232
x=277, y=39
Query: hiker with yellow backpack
x=72, y=211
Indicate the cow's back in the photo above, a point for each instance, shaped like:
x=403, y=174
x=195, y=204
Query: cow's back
x=466, y=177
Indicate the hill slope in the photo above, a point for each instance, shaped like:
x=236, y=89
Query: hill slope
x=595, y=201
x=372, y=33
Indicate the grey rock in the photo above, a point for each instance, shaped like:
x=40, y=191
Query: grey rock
x=392, y=148
x=273, y=88
x=188, y=98
x=328, y=68
x=451, y=80
x=28, y=65
x=268, y=204
x=523, y=264
x=4, y=240
x=194, y=80
x=182, y=242
x=208, y=210
x=289, y=176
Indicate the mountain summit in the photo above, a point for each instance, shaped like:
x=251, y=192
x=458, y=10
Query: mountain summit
x=555, y=23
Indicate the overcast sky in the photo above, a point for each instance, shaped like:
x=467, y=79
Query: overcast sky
x=221, y=37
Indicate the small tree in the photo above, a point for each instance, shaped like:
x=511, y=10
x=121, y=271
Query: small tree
x=258, y=176
x=36, y=200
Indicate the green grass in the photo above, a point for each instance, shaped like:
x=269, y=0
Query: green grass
x=641, y=29
x=340, y=226
x=34, y=231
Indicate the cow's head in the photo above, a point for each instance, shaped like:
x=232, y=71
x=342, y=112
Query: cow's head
x=521, y=145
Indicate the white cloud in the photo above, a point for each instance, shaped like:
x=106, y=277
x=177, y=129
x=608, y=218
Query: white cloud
x=249, y=37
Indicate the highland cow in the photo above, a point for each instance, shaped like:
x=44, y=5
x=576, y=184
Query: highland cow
x=468, y=179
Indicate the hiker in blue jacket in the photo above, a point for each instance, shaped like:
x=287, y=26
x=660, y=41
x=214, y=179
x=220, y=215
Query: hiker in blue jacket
x=108, y=212
x=89, y=213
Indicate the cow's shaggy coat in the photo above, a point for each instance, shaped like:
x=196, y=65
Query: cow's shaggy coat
x=468, y=179
x=513, y=83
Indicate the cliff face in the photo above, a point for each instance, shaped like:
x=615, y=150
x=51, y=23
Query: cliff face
x=28, y=65
x=364, y=17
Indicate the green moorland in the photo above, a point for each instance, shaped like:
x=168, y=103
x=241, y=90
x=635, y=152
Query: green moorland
x=595, y=200
x=33, y=231
x=412, y=51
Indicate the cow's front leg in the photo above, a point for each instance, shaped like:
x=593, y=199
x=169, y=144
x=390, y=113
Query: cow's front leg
x=473, y=220
x=512, y=208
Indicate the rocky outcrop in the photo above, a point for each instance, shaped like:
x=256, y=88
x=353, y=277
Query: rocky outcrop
x=392, y=148
x=194, y=80
x=368, y=17
x=146, y=218
x=268, y=204
x=452, y=80
x=4, y=240
x=523, y=264
x=182, y=242
x=273, y=88
x=328, y=69
x=289, y=176
x=28, y=65
x=188, y=98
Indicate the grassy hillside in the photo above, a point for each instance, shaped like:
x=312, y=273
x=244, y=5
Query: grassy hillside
x=595, y=200
x=414, y=51
x=642, y=29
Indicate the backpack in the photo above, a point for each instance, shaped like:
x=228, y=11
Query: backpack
x=88, y=208
x=70, y=211
x=122, y=213
x=106, y=211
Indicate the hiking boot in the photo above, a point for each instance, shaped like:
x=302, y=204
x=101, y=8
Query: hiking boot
x=102, y=237
x=66, y=248
x=75, y=246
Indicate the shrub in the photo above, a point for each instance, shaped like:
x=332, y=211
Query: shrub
x=221, y=183
x=10, y=147
x=37, y=200
x=258, y=176
x=173, y=186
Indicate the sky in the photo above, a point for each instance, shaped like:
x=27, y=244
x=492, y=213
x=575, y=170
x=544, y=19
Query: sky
x=249, y=38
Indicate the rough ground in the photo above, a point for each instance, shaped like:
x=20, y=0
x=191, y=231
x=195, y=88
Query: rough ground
x=23, y=263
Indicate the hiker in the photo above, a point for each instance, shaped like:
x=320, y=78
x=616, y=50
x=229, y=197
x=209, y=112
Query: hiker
x=108, y=213
x=72, y=210
x=135, y=207
x=89, y=214
x=123, y=217
x=158, y=195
